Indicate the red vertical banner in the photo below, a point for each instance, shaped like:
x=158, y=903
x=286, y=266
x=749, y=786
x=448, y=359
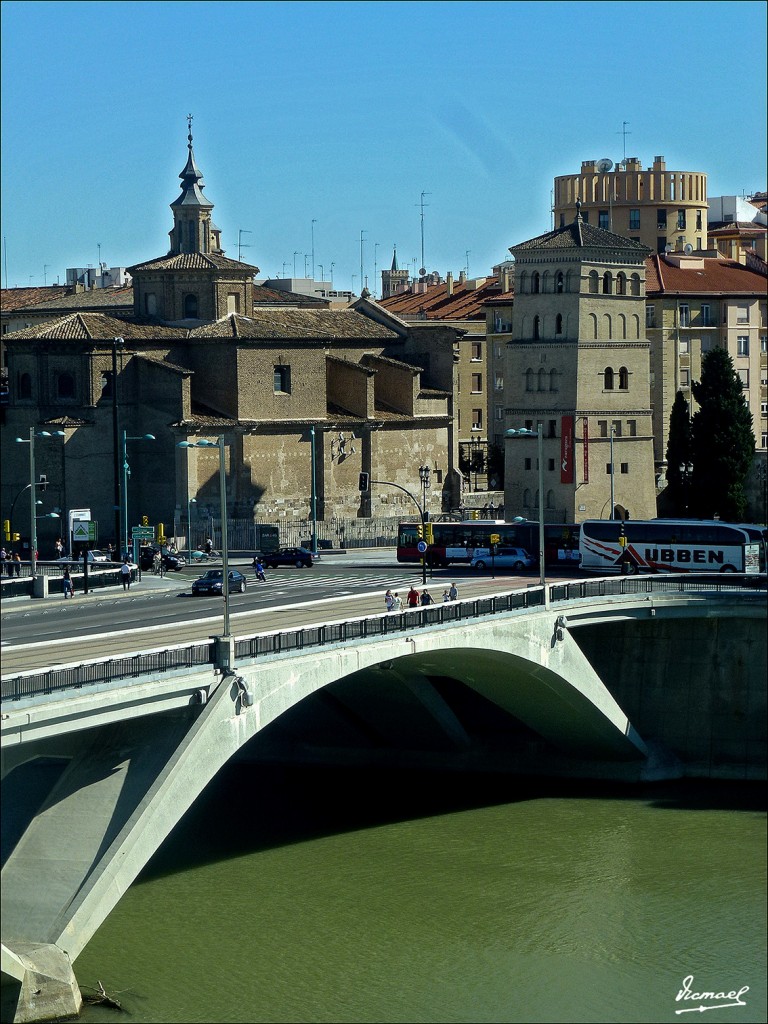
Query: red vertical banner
x=585, y=421
x=566, y=450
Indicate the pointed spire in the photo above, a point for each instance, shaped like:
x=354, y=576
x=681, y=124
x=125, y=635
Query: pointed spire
x=191, y=178
x=394, y=259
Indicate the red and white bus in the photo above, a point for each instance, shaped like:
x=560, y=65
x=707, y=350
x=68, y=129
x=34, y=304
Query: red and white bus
x=454, y=542
x=667, y=545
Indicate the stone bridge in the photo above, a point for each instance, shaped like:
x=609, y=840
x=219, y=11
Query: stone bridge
x=135, y=752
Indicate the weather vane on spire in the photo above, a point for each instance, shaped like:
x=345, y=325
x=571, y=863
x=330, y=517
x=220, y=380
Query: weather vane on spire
x=189, y=127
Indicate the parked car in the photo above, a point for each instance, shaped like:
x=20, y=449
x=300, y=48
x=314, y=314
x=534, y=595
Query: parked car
x=94, y=555
x=505, y=558
x=212, y=582
x=171, y=560
x=299, y=557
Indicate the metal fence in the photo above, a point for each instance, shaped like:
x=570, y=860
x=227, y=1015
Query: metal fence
x=49, y=681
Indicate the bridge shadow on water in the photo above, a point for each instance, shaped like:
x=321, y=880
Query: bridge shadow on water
x=252, y=807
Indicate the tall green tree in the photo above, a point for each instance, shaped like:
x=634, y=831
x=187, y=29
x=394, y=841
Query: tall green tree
x=679, y=455
x=722, y=441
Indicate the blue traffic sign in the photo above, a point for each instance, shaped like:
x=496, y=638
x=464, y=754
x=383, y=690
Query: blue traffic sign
x=421, y=547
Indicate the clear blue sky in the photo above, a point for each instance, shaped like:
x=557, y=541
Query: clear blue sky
x=344, y=113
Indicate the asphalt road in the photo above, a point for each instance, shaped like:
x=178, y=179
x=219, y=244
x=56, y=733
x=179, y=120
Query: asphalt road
x=159, y=612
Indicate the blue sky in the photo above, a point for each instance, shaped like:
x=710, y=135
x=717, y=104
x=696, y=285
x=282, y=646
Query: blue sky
x=344, y=113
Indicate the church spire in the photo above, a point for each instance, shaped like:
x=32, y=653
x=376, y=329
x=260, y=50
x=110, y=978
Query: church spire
x=192, y=228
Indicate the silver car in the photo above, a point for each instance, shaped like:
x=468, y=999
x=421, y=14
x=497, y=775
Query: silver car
x=505, y=558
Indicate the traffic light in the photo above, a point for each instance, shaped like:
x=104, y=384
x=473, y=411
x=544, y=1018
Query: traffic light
x=16, y=537
x=145, y=520
x=6, y=529
x=364, y=482
x=161, y=533
x=420, y=531
x=474, y=514
x=429, y=533
x=43, y=482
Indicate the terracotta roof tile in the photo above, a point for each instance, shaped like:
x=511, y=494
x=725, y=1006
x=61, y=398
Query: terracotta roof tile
x=194, y=261
x=20, y=298
x=96, y=327
x=717, y=276
x=295, y=323
x=466, y=303
x=93, y=299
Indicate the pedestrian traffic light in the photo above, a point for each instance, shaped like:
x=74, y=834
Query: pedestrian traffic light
x=420, y=531
x=16, y=537
x=429, y=533
x=364, y=482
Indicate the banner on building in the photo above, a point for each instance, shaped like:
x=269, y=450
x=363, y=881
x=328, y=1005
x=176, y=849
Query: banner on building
x=586, y=450
x=566, y=450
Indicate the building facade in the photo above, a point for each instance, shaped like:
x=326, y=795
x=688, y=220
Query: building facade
x=655, y=207
x=578, y=365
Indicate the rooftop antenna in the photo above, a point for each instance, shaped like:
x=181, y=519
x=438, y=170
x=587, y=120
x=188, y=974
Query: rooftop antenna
x=240, y=243
x=466, y=265
x=295, y=254
x=45, y=273
x=312, y=229
x=625, y=133
x=604, y=165
x=361, y=259
x=5, y=260
x=375, y=267
x=422, y=204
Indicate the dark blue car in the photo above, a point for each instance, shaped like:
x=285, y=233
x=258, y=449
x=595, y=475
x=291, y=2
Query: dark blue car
x=212, y=582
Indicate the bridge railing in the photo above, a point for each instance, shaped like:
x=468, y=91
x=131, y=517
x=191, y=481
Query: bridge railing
x=47, y=681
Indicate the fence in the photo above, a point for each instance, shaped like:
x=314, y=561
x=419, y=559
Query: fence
x=49, y=681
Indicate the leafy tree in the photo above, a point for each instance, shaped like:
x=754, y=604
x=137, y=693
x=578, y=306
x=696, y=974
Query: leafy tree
x=722, y=441
x=679, y=454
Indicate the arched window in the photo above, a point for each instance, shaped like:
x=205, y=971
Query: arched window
x=593, y=320
x=634, y=284
x=550, y=499
x=535, y=282
x=106, y=384
x=559, y=282
x=545, y=282
x=621, y=283
x=25, y=386
x=536, y=499
x=529, y=380
x=543, y=380
x=607, y=326
x=190, y=307
x=607, y=283
x=536, y=328
x=526, y=498
x=623, y=379
x=559, y=324
x=150, y=303
x=523, y=281
x=608, y=379
x=569, y=281
x=553, y=380
x=65, y=386
x=622, y=326
x=593, y=283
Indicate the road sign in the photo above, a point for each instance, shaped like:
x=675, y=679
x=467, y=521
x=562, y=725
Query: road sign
x=83, y=530
x=421, y=547
x=143, y=532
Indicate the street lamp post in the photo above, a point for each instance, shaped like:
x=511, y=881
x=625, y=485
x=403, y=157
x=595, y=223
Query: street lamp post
x=219, y=443
x=32, y=492
x=126, y=474
x=424, y=478
x=686, y=468
x=190, y=503
x=314, y=490
x=538, y=434
x=116, y=342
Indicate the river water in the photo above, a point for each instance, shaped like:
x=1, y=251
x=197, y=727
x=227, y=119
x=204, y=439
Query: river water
x=322, y=894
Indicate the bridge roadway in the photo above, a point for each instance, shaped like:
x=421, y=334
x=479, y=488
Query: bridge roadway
x=135, y=764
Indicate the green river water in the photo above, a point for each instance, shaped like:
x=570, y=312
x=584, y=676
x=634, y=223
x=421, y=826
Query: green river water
x=323, y=894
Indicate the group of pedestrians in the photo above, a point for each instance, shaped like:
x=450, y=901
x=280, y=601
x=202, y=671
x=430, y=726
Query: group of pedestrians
x=11, y=562
x=414, y=599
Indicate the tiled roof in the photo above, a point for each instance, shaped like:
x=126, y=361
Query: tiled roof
x=718, y=276
x=579, y=235
x=435, y=303
x=195, y=261
x=20, y=298
x=96, y=327
x=278, y=297
x=93, y=299
x=295, y=323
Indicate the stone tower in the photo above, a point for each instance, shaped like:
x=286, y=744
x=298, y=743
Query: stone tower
x=579, y=365
x=393, y=281
x=195, y=281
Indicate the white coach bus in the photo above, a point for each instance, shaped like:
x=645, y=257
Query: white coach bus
x=666, y=545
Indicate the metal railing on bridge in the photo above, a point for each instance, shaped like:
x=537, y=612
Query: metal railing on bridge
x=132, y=666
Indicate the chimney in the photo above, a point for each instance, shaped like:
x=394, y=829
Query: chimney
x=449, y=283
x=462, y=276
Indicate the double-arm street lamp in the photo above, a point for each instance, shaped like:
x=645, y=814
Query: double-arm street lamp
x=538, y=434
x=190, y=503
x=32, y=484
x=220, y=444
x=126, y=474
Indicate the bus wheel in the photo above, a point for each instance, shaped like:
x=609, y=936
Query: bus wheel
x=479, y=565
x=728, y=568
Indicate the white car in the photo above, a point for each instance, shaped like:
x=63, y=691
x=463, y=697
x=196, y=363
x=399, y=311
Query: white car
x=505, y=558
x=93, y=556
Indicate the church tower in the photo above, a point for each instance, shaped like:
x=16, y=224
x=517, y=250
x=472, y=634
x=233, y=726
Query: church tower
x=393, y=281
x=578, y=365
x=195, y=281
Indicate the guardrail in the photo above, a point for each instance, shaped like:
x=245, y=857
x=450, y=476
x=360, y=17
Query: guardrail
x=46, y=681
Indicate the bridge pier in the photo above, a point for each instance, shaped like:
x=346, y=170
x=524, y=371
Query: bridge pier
x=38, y=984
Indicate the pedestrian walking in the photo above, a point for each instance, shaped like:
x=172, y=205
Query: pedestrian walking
x=397, y=603
x=59, y=548
x=66, y=585
x=446, y=596
x=125, y=574
x=17, y=563
x=389, y=600
x=453, y=593
x=8, y=564
x=426, y=598
x=413, y=598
